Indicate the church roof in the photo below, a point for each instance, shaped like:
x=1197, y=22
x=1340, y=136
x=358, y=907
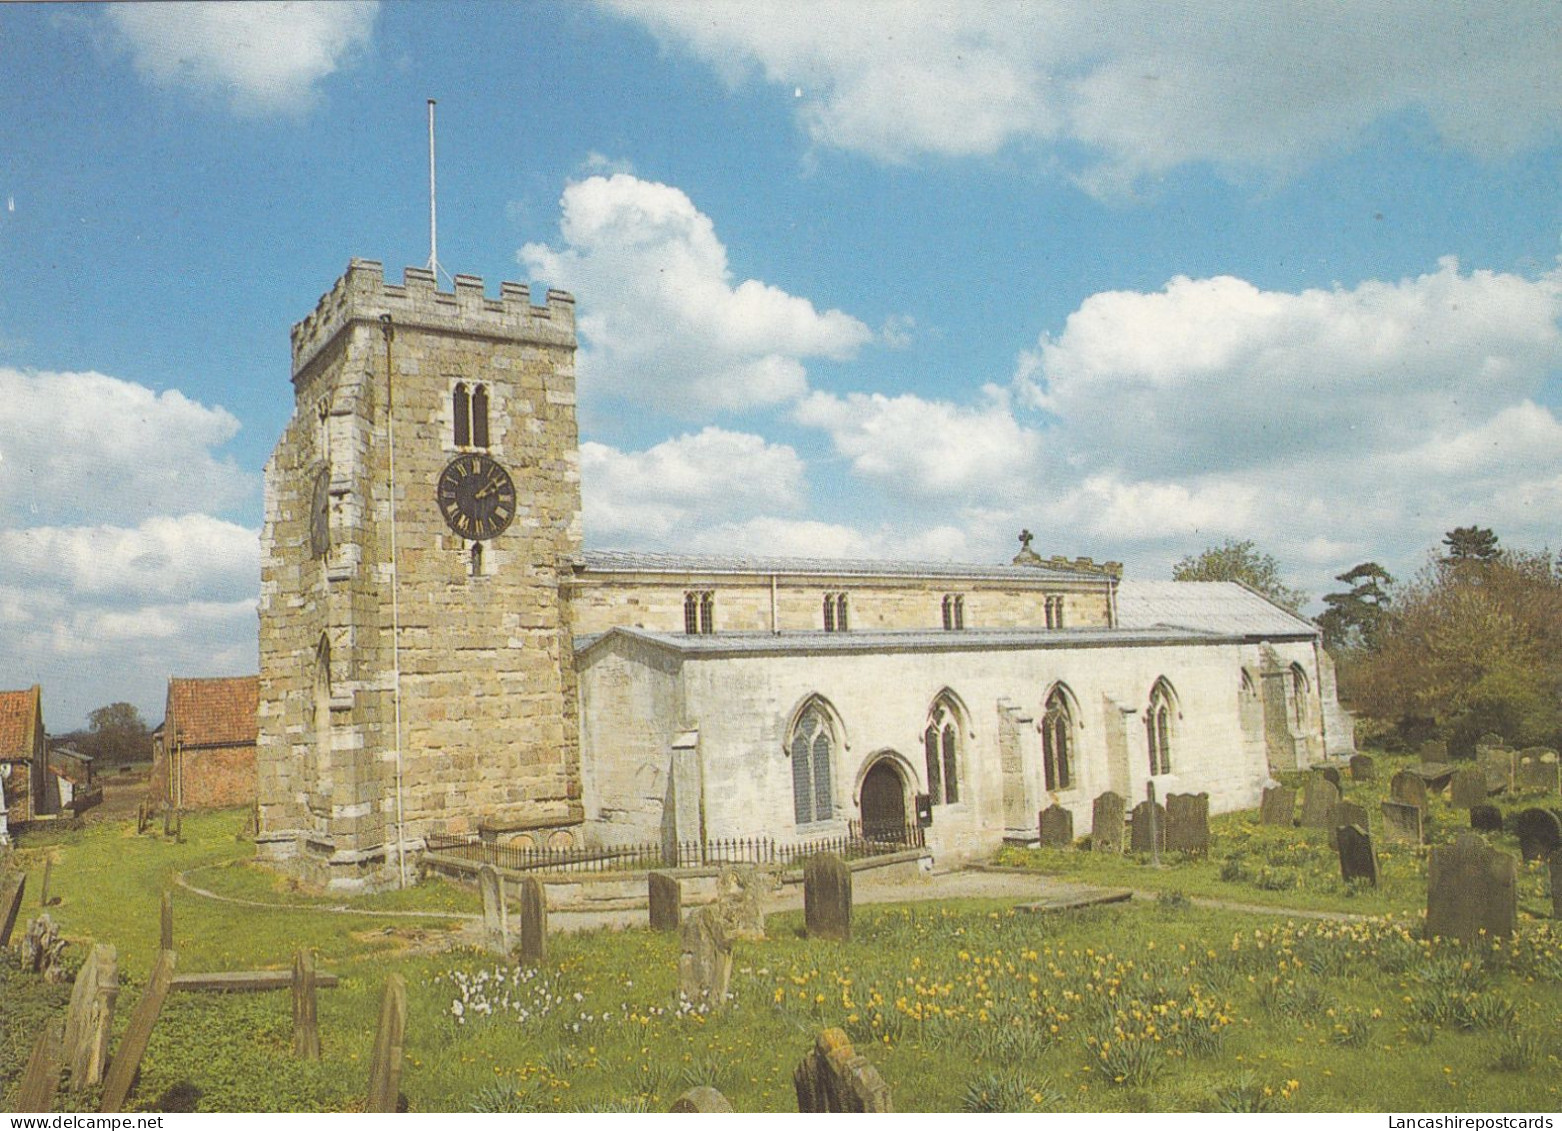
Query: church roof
x=18, y=719
x=1206, y=606
x=213, y=712
x=652, y=561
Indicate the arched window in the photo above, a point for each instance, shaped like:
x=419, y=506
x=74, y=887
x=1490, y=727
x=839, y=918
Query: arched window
x=461, y=409
x=1299, y=693
x=477, y=559
x=940, y=746
x=829, y=612
x=954, y=611
x=812, y=748
x=479, y=416
x=707, y=612
x=1158, y=727
x=1057, y=741
x=840, y=612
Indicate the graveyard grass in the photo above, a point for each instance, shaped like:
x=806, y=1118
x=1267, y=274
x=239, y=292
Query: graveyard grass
x=1155, y=1005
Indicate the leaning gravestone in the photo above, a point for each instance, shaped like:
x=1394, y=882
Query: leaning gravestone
x=496, y=917
x=1486, y=818
x=534, y=921
x=1358, y=859
x=1498, y=766
x=41, y=1078
x=1401, y=823
x=1106, y=823
x=1147, y=816
x=386, y=1057
x=1469, y=789
x=126, y=1062
x=827, y=897
x=1057, y=827
x=306, y=1014
x=1471, y=887
x=705, y=959
x=738, y=890
x=1407, y=789
x=1539, y=832
x=1187, y=823
x=10, y=907
x=90, y=1018
x=1278, y=806
x=43, y=949
x=665, y=901
x=835, y=1077
x=1318, y=804
x=1363, y=768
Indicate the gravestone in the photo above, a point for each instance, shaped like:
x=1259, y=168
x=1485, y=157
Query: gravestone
x=1486, y=818
x=89, y=1019
x=1469, y=789
x=738, y=891
x=1539, y=832
x=48, y=874
x=1106, y=823
x=1556, y=884
x=41, y=1077
x=496, y=913
x=1331, y=775
x=665, y=901
x=1534, y=773
x=306, y=1026
x=166, y=919
x=1491, y=740
x=1147, y=815
x=1363, y=768
x=1434, y=752
x=1349, y=813
x=1278, y=806
x=11, y=907
x=1057, y=827
x=1471, y=887
x=132, y=1046
x=1187, y=823
x=1318, y=804
x=1498, y=766
x=1407, y=789
x=834, y=1077
x=827, y=897
x=1358, y=858
x=385, y=1060
x=1401, y=823
x=705, y=958
x=43, y=949
x=534, y=921
x=701, y=1099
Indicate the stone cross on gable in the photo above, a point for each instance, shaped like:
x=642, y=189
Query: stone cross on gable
x=1025, y=540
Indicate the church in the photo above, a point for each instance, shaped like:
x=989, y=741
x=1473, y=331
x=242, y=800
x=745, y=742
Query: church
x=440, y=656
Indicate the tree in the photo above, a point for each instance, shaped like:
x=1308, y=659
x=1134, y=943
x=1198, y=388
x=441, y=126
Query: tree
x=1354, y=620
x=1243, y=562
x=1469, y=544
x=117, y=733
x=1467, y=651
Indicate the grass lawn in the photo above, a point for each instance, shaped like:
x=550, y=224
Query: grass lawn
x=961, y=1005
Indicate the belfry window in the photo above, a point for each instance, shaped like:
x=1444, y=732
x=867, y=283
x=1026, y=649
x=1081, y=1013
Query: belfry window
x=835, y=612
x=954, y=611
x=469, y=408
x=1057, y=739
x=940, y=745
x=699, y=612
x=812, y=748
x=1158, y=727
x=1054, y=612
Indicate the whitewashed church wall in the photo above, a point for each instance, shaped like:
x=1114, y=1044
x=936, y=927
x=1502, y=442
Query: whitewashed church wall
x=630, y=714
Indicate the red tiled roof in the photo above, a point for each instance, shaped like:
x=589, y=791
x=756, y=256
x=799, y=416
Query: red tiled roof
x=213, y=712
x=18, y=713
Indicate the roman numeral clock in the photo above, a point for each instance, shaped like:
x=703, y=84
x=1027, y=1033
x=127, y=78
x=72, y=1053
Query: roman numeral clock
x=476, y=495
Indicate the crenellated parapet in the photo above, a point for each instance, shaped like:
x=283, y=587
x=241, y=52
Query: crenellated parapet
x=363, y=295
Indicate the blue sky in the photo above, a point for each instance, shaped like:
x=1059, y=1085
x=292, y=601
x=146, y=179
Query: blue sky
x=880, y=280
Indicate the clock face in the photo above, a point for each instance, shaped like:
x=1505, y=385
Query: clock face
x=476, y=496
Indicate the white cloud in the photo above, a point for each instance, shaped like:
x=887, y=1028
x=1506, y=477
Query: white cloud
x=1141, y=87
x=663, y=321
x=82, y=447
x=264, y=57
x=930, y=449
x=685, y=484
x=812, y=538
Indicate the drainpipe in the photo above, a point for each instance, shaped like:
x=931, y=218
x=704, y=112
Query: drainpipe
x=390, y=427
x=774, y=627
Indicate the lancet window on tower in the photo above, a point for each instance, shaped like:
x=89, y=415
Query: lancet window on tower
x=469, y=409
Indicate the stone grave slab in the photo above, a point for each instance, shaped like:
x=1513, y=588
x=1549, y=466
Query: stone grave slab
x=1469, y=789
x=1349, y=813
x=1535, y=774
x=1434, y=752
x=1363, y=768
x=1278, y=806
x=1318, y=803
x=1436, y=776
x=705, y=958
x=1408, y=789
x=827, y=897
x=1332, y=775
x=89, y=1019
x=534, y=921
x=1187, y=823
x=496, y=918
x=665, y=898
x=389, y=1039
x=1539, y=832
x=738, y=891
x=1401, y=823
x=1471, y=887
x=1107, y=817
x=11, y=906
x=1358, y=857
x=1147, y=814
x=1056, y=827
x=834, y=1077
x=1498, y=766
x=1073, y=901
x=1486, y=818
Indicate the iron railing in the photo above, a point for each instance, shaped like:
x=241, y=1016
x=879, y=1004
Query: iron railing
x=876, y=840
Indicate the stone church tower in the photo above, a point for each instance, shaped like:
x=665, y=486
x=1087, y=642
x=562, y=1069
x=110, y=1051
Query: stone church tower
x=422, y=508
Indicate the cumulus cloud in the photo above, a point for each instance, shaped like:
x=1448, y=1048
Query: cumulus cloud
x=687, y=482
x=663, y=320
x=265, y=57
x=930, y=449
x=1139, y=88
x=83, y=447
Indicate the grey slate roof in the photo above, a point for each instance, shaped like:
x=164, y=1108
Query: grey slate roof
x=650, y=561
x=1206, y=606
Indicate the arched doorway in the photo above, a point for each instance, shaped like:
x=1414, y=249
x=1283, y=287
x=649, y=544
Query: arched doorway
x=883, y=802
